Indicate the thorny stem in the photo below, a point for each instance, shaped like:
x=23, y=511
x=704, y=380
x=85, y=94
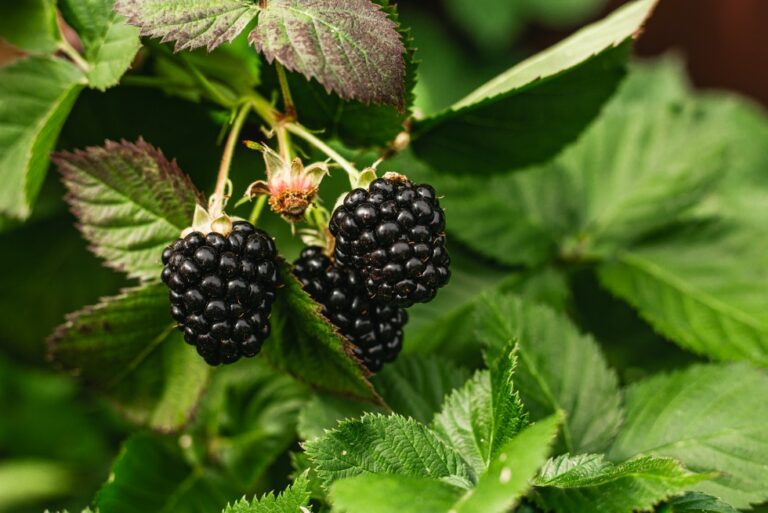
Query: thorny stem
x=217, y=200
x=308, y=136
x=258, y=207
x=290, y=109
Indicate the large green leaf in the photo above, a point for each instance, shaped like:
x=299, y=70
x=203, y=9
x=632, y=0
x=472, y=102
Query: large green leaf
x=709, y=417
x=480, y=418
x=527, y=114
x=150, y=474
x=248, y=418
x=497, y=490
x=559, y=369
x=308, y=346
x=702, y=287
x=587, y=483
x=110, y=43
x=292, y=500
x=126, y=347
x=190, y=23
x=416, y=385
x=385, y=445
x=36, y=95
x=350, y=46
x=130, y=202
x=30, y=25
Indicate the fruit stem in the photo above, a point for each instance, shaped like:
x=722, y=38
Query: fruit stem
x=305, y=134
x=290, y=109
x=258, y=207
x=217, y=200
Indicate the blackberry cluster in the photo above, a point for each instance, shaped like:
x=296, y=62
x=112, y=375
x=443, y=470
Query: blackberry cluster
x=375, y=329
x=222, y=289
x=393, y=234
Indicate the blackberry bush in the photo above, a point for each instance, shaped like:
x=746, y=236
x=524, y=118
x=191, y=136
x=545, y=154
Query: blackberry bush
x=393, y=234
x=374, y=328
x=221, y=290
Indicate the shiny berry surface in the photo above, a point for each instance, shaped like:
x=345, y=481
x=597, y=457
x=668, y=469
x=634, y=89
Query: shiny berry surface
x=393, y=236
x=375, y=329
x=221, y=290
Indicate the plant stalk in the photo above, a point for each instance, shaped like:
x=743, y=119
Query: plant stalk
x=308, y=136
x=288, y=106
x=218, y=200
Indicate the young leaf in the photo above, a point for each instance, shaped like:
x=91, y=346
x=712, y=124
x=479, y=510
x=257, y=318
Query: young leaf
x=695, y=502
x=709, y=417
x=150, y=474
x=110, y=43
x=190, y=23
x=507, y=123
x=126, y=348
x=248, y=418
x=415, y=386
x=36, y=95
x=703, y=288
x=350, y=46
x=324, y=412
x=496, y=492
x=393, y=493
x=559, y=369
x=588, y=483
x=479, y=419
x=385, y=445
x=308, y=346
x=130, y=202
x=292, y=500
x=30, y=25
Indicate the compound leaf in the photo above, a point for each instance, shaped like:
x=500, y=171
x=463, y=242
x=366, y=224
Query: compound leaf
x=36, y=95
x=110, y=43
x=130, y=202
x=351, y=47
x=507, y=123
x=559, y=369
x=588, y=483
x=190, y=23
x=126, y=348
x=709, y=417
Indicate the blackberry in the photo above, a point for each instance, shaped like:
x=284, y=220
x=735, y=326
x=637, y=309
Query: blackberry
x=222, y=289
x=376, y=330
x=393, y=234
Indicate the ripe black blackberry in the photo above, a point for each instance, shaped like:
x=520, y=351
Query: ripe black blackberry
x=375, y=329
x=393, y=234
x=222, y=289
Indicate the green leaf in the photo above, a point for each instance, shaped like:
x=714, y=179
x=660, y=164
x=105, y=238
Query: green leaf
x=507, y=123
x=415, y=386
x=702, y=287
x=150, y=474
x=32, y=481
x=30, y=25
x=291, y=500
x=480, y=418
x=309, y=347
x=559, y=369
x=510, y=472
x=588, y=483
x=110, y=43
x=695, y=502
x=391, y=493
x=190, y=23
x=385, y=445
x=709, y=417
x=130, y=202
x=126, y=347
x=351, y=47
x=323, y=412
x=248, y=418
x=36, y=95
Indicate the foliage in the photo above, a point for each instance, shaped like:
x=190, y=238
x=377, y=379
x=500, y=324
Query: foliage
x=599, y=211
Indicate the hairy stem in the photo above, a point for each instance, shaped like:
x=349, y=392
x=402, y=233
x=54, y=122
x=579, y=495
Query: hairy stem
x=309, y=137
x=217, y=201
